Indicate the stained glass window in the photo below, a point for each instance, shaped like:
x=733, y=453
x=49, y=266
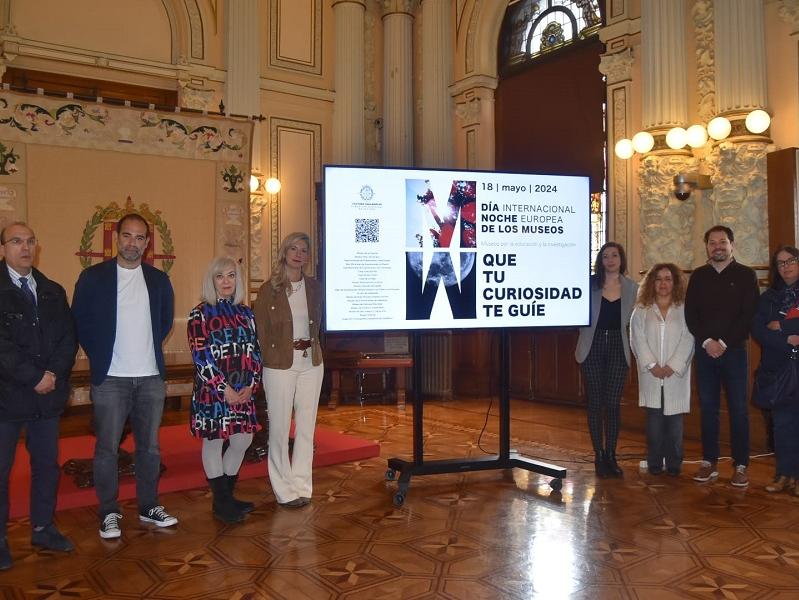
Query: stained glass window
x=537, y=27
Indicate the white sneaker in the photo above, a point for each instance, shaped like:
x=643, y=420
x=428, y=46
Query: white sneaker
x=158, y=516
x=109, y=528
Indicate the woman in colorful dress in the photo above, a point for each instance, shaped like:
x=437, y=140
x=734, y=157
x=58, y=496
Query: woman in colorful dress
x=227, y=361
x=288, y=311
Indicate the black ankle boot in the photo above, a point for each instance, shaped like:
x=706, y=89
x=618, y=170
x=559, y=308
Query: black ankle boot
x=613, y=468
x=242, y=505
x=223, y=506
x=600, y=466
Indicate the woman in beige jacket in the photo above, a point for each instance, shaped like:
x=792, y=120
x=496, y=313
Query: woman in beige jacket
x=288, y=314
x=663, y=349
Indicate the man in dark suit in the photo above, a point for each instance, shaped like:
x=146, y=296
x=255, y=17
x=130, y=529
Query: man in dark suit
x=37, y=351
x=123, y=309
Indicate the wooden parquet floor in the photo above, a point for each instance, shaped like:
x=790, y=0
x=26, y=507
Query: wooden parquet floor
x=483, y=535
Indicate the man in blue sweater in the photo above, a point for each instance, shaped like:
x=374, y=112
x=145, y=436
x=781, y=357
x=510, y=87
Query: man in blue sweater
x=113, y=305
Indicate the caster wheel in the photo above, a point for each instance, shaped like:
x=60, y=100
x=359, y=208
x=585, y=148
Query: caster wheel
x=399, y=499
x=556, y=484
x=391, y=474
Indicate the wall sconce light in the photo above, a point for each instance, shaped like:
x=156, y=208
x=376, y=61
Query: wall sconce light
x=255, y=183
x=272, y=185
x=695, y=136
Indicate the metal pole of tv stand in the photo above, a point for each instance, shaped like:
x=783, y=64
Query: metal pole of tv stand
x=504, y=460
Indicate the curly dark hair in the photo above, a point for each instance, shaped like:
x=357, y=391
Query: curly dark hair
x=646, y=293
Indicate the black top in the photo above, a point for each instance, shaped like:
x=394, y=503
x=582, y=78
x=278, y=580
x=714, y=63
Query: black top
x=721, y=305
x=609, y=315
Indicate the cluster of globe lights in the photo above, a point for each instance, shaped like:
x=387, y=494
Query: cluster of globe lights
x=695, y=136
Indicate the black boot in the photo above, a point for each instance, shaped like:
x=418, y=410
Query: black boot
x=613, y=468
x=600, y=465
x=223, y=506
x=243, y=506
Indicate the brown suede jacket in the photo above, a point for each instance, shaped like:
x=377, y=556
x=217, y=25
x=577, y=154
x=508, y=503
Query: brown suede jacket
x=276, y=328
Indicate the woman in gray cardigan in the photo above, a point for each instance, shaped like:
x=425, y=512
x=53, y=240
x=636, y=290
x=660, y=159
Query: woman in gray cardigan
x=603, y=350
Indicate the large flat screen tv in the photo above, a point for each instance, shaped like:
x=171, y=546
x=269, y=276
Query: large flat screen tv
x=412, y=249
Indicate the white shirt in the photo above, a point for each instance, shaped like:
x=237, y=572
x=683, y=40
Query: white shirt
x=134, y=352
x=298, y=302
x=15, y=279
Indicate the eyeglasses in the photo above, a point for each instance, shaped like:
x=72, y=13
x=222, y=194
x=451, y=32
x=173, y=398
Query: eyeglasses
x=787, y=263
x=15, y=241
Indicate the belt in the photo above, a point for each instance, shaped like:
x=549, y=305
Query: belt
x=302, y=345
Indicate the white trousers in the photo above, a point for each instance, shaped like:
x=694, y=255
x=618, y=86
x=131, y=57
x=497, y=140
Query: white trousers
x=294, y=389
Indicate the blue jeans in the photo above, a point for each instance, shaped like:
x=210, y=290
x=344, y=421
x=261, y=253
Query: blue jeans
x=663, y=440
x=732, y=369
x=41, y=440
x=786, y=439
x=115, y=400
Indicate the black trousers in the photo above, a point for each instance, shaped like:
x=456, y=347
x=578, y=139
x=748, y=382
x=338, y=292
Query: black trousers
x=605, y=371
x=41, y=440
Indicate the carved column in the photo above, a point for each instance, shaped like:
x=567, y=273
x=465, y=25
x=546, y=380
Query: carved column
x=398, y=82
x=348, y=112
x=738, y=165
x=740, y=55
x=242, y=97
x=474, y=109
x=437, y=141
x=617, y=68
x=664, y=87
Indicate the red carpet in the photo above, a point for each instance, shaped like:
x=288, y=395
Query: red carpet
x=181, y=454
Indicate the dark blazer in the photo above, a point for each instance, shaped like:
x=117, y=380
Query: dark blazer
x=276, y=327
x=776, y=348
x=32, y=341
x=94, y=305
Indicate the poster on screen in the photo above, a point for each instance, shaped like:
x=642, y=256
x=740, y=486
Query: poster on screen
x=415, y=249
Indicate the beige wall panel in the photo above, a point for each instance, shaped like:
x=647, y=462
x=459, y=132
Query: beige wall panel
x=72, y=183
x=295, y=160
x=296, y=39
x=782, y=64
x=138, y=29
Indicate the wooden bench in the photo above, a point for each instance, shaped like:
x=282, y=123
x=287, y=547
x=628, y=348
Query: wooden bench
x=363, y=363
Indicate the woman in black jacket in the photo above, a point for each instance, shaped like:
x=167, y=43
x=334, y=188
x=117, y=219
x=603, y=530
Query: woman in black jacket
x=776, y=327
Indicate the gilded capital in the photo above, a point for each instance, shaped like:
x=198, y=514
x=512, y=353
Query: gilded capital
x=617, y=67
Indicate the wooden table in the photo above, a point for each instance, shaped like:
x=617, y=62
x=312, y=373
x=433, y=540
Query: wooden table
x=361, y=363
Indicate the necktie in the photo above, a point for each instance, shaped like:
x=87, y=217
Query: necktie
x=23, y=284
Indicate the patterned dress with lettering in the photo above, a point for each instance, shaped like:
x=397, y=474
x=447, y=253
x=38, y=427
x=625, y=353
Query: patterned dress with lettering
x=225, y=349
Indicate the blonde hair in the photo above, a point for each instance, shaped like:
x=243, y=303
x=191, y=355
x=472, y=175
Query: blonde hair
x=218, y=265
x=279, y=279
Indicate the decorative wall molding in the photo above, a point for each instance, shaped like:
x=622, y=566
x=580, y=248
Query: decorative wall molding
x=666, y=223
x=399, y=6
x=788, y=11
x=277, y=126
x=617, y=67
x=259, y=206
x=278, y=57
x=620, y=178
x=740, y=198
x=471, y=36
x=32, y=118
x=197, y=42
x=468, y=110
x=702, y=13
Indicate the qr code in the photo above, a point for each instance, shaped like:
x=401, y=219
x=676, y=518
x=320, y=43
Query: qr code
x=367, y=231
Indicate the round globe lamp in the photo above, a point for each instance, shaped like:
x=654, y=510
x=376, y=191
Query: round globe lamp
x=696, y=136
x=758, y=121
x=272, y=185
x=719, y=128
x=624, y=149
x=676, y=138
x=643, y=142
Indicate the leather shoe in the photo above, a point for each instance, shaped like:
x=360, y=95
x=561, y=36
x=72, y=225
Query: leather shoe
x=5, y=555
x=305, y=500
x=49, y=537
x=296, y=503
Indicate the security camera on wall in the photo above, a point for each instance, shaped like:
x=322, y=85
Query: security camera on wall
x=685, y=183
